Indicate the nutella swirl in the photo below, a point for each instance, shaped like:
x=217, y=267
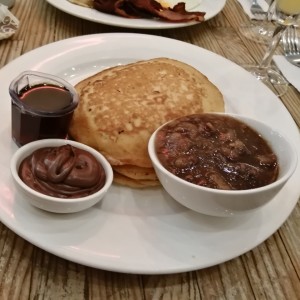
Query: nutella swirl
x=63, y=172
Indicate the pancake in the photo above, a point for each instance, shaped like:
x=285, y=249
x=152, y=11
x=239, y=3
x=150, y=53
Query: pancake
x=134, y=183
x=121, y=107
x=137, y=173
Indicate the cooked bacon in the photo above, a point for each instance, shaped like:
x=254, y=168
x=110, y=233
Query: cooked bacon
x=148, y=9
x=107, y=6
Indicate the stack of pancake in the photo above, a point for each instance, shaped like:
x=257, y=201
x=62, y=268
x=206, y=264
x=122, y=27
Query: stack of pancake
x=122, y=106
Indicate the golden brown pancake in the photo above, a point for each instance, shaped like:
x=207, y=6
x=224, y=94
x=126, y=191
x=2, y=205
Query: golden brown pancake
x=135, y=172
x=122, y=106
x=134, y=183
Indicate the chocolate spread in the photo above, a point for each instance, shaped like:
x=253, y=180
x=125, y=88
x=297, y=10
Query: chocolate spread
x=63, y=172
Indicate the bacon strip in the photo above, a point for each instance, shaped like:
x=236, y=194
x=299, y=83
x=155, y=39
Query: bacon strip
x=148, y=9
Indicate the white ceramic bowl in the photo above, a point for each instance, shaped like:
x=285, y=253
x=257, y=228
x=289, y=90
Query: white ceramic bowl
x=217, y=202
x=54, y=204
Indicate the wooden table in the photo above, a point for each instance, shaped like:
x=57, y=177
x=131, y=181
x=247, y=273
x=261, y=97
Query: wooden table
x=270, y=271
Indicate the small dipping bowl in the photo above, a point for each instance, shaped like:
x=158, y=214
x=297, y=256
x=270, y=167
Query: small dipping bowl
x=226, y=203
x=55, y=204
x=42, y=107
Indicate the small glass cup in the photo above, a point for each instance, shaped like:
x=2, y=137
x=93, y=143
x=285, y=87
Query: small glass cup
x=42, y=107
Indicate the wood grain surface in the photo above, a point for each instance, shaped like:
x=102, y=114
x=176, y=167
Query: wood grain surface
x=270, y=271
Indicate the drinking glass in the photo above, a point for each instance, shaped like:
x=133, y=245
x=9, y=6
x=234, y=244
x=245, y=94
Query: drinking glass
x=286, y=13
x=260, y=31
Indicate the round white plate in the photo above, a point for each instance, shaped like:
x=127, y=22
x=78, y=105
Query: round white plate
x=211, y=7
x=143, y=231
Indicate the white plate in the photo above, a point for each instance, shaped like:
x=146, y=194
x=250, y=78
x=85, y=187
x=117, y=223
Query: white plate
x=211, y=7
x=143, y=231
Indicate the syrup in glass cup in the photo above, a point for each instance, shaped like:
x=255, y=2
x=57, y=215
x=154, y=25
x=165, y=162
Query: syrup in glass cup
x=42, y=107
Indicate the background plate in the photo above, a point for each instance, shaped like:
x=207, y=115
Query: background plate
x=211, y=7
x=143, y=231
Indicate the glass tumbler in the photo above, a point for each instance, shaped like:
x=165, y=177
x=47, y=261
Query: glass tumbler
x=42, y=106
